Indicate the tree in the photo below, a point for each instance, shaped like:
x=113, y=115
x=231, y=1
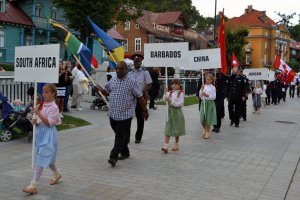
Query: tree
x=286, y=19
x=104, y=13
x=295, y=32
x=235, y=42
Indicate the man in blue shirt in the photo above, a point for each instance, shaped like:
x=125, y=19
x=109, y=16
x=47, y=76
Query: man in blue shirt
x=123, y=93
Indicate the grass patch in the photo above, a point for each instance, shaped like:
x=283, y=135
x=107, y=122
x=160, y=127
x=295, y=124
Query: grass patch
x=189, y=100
x=68, y=122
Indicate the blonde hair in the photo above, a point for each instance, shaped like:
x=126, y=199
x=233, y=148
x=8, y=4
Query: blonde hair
x=52, y=88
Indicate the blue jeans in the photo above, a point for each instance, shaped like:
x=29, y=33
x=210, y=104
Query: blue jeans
x=68, y=91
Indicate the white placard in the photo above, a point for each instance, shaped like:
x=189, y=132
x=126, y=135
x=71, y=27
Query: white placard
x=257, y=74
x=204, y=59
x=271, y=75
x=166, y=54
x=37, y=63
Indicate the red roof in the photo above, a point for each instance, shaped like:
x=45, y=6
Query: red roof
x=14, y=15
x=251, y=18
x=168, y=17
x=115, y=34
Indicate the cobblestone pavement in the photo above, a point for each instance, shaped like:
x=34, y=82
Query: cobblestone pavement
x=253, y=162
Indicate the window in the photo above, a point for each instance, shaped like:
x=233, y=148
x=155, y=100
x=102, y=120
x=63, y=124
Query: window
x=138, y=44
x=248, y=59
x=2, y=6
x=2, y=38
x=151, y=39
x=38, y=10
x=137, y=26
x=125, y=45
x=28, y=41
x=54, y=13
x=127, y=25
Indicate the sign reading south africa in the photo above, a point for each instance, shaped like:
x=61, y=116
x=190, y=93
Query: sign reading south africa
x=37, y=63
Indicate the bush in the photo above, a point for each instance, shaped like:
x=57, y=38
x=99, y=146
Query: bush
x=7, y=66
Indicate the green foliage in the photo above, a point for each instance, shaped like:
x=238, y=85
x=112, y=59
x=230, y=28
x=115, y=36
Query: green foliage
x=7, y=66
x=286, y=19
x=235, y=42
x=295, y=32
x=104, y=13
x=294, y=64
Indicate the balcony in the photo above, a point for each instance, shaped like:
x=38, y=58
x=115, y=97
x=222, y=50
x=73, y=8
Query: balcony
x=41, y=22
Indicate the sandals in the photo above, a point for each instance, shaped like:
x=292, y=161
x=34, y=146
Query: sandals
x=164, y=149
x=55, y=179
x=175, y=147
x=31, y=189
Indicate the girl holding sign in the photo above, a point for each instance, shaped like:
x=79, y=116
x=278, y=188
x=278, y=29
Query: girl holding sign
x=208, y=114
x=175, y=126
x=46, y=139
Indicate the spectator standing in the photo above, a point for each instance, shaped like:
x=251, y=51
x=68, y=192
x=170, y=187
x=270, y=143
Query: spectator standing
x=68, y=85
x=153, y=92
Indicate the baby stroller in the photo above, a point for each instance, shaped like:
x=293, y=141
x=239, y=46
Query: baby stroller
x=98, y=101
x=13, y=121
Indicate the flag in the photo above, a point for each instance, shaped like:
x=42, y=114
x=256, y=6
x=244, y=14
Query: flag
x=284, y=68
x=222, y=45
x=87, y=59
x=234, y=60
x=114, y=50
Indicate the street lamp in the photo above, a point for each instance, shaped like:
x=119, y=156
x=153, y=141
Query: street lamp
x=215, y=23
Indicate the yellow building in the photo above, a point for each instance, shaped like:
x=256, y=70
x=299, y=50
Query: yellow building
x=265, y=38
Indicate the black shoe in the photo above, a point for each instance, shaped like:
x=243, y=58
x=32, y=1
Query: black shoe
x=138, y=141
x=214, y=130
x=121, y=157
x=73, y=106
x=244, y=119
x=236, y=125
x=66, y=110
x=217, y=130
x=112, y=162
x=231, y=123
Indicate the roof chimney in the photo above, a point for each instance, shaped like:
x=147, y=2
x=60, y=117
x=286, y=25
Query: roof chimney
x=248, y=10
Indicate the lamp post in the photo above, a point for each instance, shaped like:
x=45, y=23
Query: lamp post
x=215, y=23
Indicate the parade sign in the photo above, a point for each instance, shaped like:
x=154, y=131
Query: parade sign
x=37, y=63
x=255, y=74
x=271, y=75
x=204, y=59
x=166, y=54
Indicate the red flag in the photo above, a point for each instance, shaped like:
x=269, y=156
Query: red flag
x=234, y=60
x=222, y=45
x=284, y=68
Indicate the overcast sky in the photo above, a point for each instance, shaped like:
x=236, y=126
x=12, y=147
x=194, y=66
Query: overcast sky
x=235, y=8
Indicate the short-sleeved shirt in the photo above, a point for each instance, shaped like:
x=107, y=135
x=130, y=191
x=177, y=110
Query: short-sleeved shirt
x=142, y=76
x=122, y=97
x=51, y=112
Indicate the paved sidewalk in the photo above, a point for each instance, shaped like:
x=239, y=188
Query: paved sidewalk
x=253, y=162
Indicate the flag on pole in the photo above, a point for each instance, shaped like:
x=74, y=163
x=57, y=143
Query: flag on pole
x=222, y=44
x=87, y=59
x=234, y=61
x=284, y=68
x=114, y=50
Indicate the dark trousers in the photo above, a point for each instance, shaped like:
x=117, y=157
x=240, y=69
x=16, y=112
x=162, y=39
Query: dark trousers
x=268, y=99
x=292, y=91
x=274, y=97
x=220, y=112
x=234, y=108
x=68, y=91
x=122, y=137
x=140, y=122
x=244, y=109
x=152, y=101
x=298, y=91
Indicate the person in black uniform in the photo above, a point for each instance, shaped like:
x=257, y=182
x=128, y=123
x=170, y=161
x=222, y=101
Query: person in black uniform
x=244, y=103
x=220, y=84
x=236, y=94
x=273, y=88
x=153, y=92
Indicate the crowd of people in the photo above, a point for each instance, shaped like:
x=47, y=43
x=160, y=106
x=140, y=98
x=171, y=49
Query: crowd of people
x=127, y=93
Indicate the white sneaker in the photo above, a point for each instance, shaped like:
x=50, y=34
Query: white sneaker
x=79, y=109
x=61, y=115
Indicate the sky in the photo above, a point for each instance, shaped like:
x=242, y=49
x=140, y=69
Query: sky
x=235, y=8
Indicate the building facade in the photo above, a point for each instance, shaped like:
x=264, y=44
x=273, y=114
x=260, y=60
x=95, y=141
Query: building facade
x=265, y=38
x=158, y=28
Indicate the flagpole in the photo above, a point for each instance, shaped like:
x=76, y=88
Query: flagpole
x=104, y=99
x=167, y=104
x=34, y=126
x=200, y=89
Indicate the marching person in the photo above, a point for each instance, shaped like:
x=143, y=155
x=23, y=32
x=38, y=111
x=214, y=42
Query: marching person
x=256, y=98
x=220, y=84
x=236, y=94
x=124, y=93
x=46, y=139
x=244, y=103
x=208, y=114
x=175, y=126
x=145, y=83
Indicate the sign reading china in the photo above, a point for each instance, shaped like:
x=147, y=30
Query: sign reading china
x=204, y=59
x=37, y=63
x=166, y=54
x=255, y=74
